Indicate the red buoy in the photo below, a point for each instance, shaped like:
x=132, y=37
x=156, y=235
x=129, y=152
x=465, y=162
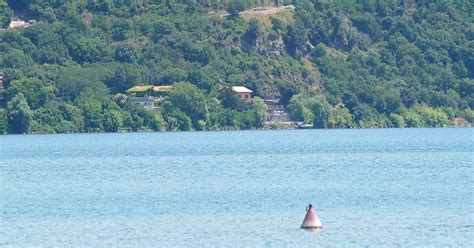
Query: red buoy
x=311, y=220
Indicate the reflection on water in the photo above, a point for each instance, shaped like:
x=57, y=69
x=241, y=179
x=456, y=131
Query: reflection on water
x=313, y=230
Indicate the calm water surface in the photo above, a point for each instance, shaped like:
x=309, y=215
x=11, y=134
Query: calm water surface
x=393, y=187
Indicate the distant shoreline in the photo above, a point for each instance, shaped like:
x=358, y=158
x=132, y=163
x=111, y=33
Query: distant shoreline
x=236, y=130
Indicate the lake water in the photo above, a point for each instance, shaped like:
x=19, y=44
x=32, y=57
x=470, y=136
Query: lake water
x=378, y=187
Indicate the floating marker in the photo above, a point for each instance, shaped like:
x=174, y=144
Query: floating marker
x=311, y=220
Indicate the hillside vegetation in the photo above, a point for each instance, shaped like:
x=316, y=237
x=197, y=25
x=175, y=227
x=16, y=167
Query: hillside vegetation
x=334, y=64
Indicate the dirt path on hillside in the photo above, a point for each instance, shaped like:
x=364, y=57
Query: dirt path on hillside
x=256, y=11
x=267, y=10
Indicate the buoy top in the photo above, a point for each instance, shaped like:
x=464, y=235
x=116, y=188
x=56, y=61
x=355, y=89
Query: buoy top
x=311, y=220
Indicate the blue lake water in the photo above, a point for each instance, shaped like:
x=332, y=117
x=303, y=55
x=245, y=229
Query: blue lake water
x=378, y=187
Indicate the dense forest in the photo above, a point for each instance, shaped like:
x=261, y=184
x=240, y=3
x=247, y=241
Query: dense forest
x=333, y=64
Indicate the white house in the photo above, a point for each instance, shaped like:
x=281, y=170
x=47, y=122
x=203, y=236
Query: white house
x=146, y=101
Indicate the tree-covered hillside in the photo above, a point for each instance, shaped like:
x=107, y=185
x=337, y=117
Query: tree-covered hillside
x=334, y=64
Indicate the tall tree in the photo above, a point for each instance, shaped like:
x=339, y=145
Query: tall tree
x=19, y=114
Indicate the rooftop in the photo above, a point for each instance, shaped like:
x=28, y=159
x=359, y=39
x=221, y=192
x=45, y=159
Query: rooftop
x=241, y=89
x=139, y=88
x=162, y=88
x=271, y=101
x=144, y=88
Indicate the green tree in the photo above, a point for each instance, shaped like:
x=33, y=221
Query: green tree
x=234, y=7
x=91, y=104
x=19, y=114
x=15, y=58
x=322, y=112
x=254, y=31
x=413, y=119
x=433, y=117
x=120, y=27
x=179, y=121
x=72, y=114
x=3, y=121
x=300, y=110
x=87, y=50
x=295, y=38
x=5, y=14
x=73, y=81
x=189, y=99
x=140, y=118
x=397, y=120
x=162, y=28
x=173, y=75
x=50, y=46
x=36, y=92
x=47, y=118
x=341, y=118
x=112, y=121
x=124, y=77
x=125, y=53
x=254, y=117
x=229, y=99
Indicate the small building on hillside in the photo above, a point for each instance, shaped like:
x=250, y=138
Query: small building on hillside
x=243, y=93
x=276, y=111
x=146, y=102
x=147, y=95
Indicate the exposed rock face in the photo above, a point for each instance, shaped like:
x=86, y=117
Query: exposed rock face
x=460, y=122
x=268, y=47
x=120, y=99
x=18, y=24
x=264, y=46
